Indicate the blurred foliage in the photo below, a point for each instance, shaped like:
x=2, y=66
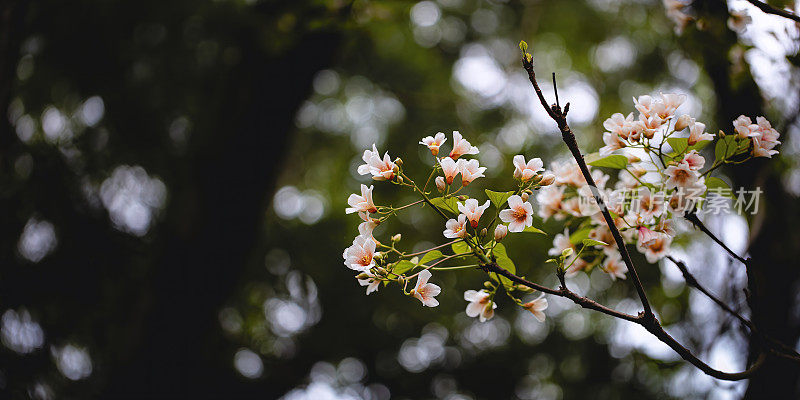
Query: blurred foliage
x=210, y=179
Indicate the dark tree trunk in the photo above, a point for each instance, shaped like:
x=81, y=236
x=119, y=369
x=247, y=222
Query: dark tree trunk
x=209, y=236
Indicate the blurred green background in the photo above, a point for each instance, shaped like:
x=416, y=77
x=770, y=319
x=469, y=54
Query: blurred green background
x=174, y=177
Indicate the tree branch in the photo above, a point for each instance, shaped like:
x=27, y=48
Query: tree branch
x=563, y=291
x=560, y=117
x=691, y=281
x=646, y=318
x=774, y=10
x=692, y=217
x=650, y=324
x=776, y=347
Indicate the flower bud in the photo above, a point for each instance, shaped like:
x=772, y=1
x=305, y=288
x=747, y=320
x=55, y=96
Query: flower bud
x=462, y=198
x=649, y=133
x=440, y=184
x=548, y=179
x=682, y=122
x=362, y=275
x=721, y=134
x=396, y=168
x=567, y=252
x=380, y=270
x=396, y=238
x=537, y=178
x=523, y=288
x=633, y=159
x=525, y=197
x=500, y=232
x=399, y=161
x=399, y=179
x=483, y=232
x=488, y=285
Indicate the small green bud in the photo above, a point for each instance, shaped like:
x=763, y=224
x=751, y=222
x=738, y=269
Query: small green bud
x=462, y=198
x=397, y=237
x=523, y=288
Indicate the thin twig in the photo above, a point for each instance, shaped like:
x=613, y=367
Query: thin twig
x=561, y=292
x=778, y=348
x=692, y=282
x=692, y=217
x=432, y=248
x=775, y=11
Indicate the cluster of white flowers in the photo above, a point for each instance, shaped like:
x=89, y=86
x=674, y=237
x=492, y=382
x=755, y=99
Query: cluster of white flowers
x=380, y=264
x=643, y=209
x=670, y=179
x=764, y=137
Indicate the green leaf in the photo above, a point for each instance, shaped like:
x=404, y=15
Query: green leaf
x=498, y=198
x=616, y=161
x=592, y=242
x=402, y=266
x=725, y=147
x=532, y=229
x=460, y=247
x=523, y=45
x=679, y=145
x=718, y=186
x=505, y=262
x=579, y=235
x=449, y=204
x=430, y=256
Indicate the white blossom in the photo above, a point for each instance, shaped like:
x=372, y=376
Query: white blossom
x=361, y=203
x=456, y=228
x=461, y=146
x=424, y=291
x=382, y=169
x=359, y=256
x=525, y=171
x=434, y=142
x=470, y=170
x=519, y=215
x=472, y=210
x=537, y=307
x=615, y=267
x=479, y=304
